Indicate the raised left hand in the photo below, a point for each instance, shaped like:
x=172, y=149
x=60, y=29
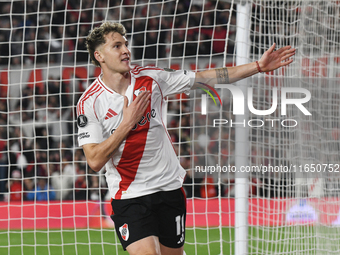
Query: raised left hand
x=273, y=59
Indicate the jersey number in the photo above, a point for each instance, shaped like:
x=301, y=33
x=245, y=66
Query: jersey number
x=179, y=224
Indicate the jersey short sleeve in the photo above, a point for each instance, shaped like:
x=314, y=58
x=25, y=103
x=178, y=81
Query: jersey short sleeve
x=170, y=81
x=175, y=82
x=89, y=128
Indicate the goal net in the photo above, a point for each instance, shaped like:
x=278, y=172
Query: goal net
x=265, y=181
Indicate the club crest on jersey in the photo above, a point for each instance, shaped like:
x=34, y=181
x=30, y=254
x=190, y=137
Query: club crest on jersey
x=124, y=232
x=140, y=90
x=82, y=120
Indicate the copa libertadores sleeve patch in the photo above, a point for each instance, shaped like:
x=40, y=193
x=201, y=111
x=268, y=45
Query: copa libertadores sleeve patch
x=81, y=120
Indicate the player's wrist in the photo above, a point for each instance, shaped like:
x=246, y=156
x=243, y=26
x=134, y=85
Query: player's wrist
x=259, y=66
x=127, y=125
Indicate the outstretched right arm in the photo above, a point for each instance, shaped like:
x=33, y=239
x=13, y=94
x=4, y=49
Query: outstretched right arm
x=270, y=60
x=97, y=154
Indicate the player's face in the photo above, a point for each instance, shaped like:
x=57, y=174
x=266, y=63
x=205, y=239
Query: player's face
x=115, y=53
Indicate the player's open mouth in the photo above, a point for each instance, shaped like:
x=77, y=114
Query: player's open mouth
x=126, y=59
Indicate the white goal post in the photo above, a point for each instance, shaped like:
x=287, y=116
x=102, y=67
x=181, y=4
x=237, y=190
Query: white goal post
x=256, y=183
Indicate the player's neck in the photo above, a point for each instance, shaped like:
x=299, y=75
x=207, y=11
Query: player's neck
x=116, y=81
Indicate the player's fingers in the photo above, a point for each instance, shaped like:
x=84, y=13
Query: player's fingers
x=146, y=96
x=141, y=97
x=146, y=102
x=285, y=57
x=143, y=102
x=285, y=63
x=145, y=105
x=142, y=108
x=272, y=48
x=126, y=102
x=288, y=52
x=284, y=49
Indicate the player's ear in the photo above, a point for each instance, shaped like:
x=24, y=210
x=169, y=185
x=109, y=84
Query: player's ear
x=99, y=57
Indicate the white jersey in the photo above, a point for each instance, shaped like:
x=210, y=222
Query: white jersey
x=145, y=162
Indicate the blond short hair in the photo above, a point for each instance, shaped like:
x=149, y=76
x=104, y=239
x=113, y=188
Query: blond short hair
x=96, y=37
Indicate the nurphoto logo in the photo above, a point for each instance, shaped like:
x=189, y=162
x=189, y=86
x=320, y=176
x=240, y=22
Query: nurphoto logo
x=239, y=105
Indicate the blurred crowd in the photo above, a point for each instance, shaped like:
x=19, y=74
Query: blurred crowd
x=54, y=31
x=39, y=159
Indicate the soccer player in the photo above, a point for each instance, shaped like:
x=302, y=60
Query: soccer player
x=120, y=126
